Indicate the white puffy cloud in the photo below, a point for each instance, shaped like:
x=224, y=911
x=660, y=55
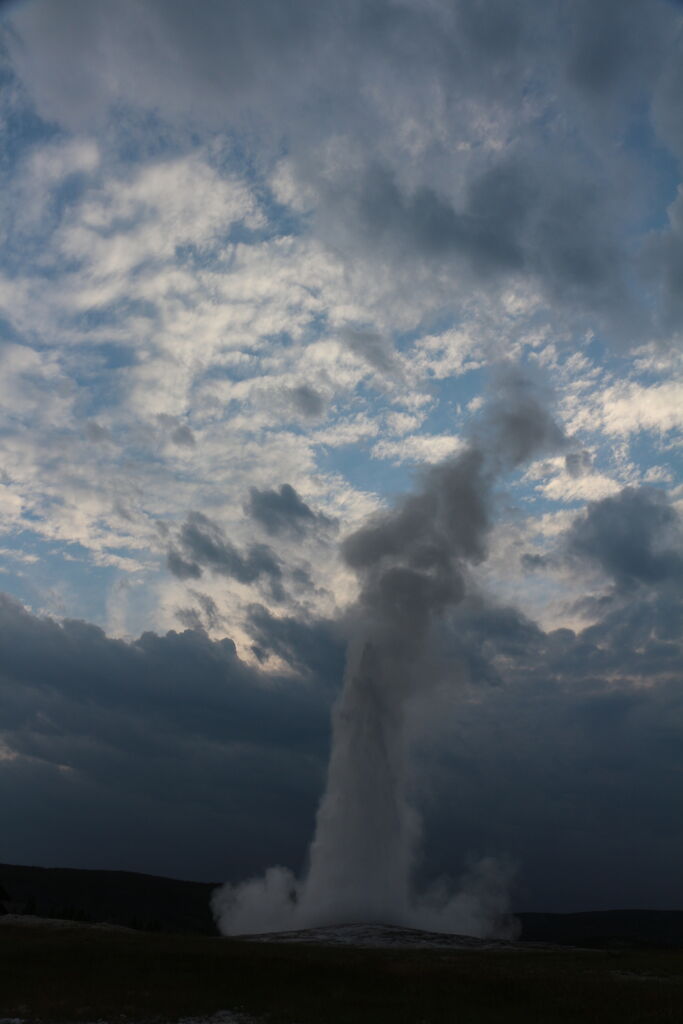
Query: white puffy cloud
x=589, y=487
x=418, y=448
x=627, y=407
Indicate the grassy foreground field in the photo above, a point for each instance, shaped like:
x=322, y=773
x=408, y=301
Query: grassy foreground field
x=90, y=974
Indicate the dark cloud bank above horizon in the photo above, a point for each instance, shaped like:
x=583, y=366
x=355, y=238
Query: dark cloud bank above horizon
x=561, y=750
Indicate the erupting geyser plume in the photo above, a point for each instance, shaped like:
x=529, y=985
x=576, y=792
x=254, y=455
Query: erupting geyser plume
x=411, y=565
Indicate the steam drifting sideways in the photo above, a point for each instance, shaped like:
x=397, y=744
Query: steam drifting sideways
x=412, y=567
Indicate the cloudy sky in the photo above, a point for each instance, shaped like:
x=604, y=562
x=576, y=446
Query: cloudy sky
x=262, y=264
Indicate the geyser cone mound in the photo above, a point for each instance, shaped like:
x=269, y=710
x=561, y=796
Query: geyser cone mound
x=381, y=936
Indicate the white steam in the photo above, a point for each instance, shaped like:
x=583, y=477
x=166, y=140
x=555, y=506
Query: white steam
x=411, y=564
x=366, y=842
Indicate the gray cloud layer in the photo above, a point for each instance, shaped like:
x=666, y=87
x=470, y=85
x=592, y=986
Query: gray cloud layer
x=202, y=544
x=283, y=511
x=495, y=139
x=120, y=743
x=635, y=537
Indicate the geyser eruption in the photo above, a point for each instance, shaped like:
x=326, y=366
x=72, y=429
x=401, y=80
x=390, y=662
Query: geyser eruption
x=411, y=564
x=361, y=856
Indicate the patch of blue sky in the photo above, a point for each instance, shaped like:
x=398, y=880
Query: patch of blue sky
x=283, y=222
x=435, y=321
x=214, y=255
x=62, y=579
x=99, y=372
x=648, y=449
x=9, y=333
x=317, y=323
x=112, y=315
x=69, y=190
x=452, y=395
x=143, y=138
x=20, y=125
x=20, y=580
x=28, y=255
x=234, y=153
x=355, y=463
x=524, y=496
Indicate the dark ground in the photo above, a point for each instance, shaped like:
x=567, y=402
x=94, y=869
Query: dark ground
x=82, y=973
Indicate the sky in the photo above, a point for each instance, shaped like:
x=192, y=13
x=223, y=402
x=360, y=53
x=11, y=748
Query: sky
x=262, y=267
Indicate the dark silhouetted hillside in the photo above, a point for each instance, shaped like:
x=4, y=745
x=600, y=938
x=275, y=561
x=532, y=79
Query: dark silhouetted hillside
x=120, y=897
x=613, y=928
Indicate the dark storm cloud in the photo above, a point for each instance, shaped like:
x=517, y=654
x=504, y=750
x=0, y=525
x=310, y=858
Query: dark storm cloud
x=133, y=740
x=531, y=561
x=203, y=544
x=191, y=618
x=283, y=511
x=566, y=757
x=307, y=401
x=485, y=231
x=96, y=433
x=516, y=218
x=578, y=463
x=170, y=754
x=76, y=660
x=640, y=640
x=204, y=616
x=183, y=436
x=635, y=537
x=180, y=567
x=316, y=647
x=611, y=44
x=663, y=266
x=178, y=432
x=377, y=351
x=222, y=52
x=667, y=98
